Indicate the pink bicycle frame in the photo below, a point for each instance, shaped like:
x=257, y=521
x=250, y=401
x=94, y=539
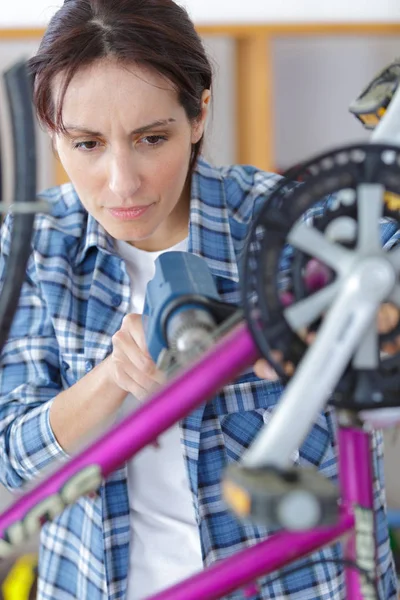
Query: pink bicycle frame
x=222, y=364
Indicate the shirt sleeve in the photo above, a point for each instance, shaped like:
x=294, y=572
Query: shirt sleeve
x=29, y=381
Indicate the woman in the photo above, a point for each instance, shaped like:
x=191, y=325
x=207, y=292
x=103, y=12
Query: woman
x=123, y=88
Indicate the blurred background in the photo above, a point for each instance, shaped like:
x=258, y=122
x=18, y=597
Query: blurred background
x=286, y=73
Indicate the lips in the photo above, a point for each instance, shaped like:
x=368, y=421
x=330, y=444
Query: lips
x=130, y=213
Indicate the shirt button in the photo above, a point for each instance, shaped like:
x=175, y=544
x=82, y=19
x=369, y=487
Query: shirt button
x=116, y=299
x=88, y=366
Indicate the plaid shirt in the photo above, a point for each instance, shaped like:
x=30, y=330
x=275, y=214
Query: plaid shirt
x=74, y=298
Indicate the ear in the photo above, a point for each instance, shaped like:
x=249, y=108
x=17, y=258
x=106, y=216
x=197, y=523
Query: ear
x=53, y=140
x=200, y=123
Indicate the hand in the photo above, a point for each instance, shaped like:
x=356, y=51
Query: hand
x=264, y=370
x=130, y=363
x=388, y=319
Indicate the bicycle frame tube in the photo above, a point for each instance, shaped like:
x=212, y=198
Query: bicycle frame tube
x=262, y=559
x=356, y=489
x=356, y=519
x=83, y=473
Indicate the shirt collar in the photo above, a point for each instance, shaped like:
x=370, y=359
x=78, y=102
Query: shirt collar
x=96, y=237
x=209, y=227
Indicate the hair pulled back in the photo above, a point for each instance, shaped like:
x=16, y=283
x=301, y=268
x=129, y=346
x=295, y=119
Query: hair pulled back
x=156, y=34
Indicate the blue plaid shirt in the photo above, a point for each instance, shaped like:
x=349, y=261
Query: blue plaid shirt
x=74, y=298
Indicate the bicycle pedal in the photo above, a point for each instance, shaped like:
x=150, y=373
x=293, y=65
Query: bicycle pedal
x=292, y=499
x=374, y=100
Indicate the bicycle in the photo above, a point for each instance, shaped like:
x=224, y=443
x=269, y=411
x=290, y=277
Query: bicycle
x=341, y=311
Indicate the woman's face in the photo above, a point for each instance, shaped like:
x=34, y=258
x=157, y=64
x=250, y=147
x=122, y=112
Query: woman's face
x=126, y=148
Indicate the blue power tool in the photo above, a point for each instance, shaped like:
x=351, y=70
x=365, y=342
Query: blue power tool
x=182, y=308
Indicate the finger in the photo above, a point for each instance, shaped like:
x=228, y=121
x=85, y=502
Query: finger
x=392, y=347
x=263, y=370
x=134, y=324
x=310, y=337
x=125, y=382
x=127, y=355
x=144, y=379
x=388, y=318
x=159, y=377
x=124, y=345
x=289, y=369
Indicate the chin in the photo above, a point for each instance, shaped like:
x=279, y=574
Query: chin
x=128, y=233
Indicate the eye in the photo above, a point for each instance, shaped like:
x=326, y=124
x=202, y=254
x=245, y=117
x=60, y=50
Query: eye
x=87, y=146
x=154, y=140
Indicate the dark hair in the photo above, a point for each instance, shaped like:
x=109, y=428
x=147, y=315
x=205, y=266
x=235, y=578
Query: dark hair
x=157, y=34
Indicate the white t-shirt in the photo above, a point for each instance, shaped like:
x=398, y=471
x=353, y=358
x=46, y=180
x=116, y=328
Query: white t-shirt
x=165, y=541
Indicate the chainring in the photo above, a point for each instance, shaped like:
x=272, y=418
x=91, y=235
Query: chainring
x=278, y=275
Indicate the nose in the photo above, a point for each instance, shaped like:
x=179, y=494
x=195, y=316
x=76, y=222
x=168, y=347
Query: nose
x=124, y=179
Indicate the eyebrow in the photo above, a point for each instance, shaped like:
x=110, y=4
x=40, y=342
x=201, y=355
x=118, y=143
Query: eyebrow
x=139, y=130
